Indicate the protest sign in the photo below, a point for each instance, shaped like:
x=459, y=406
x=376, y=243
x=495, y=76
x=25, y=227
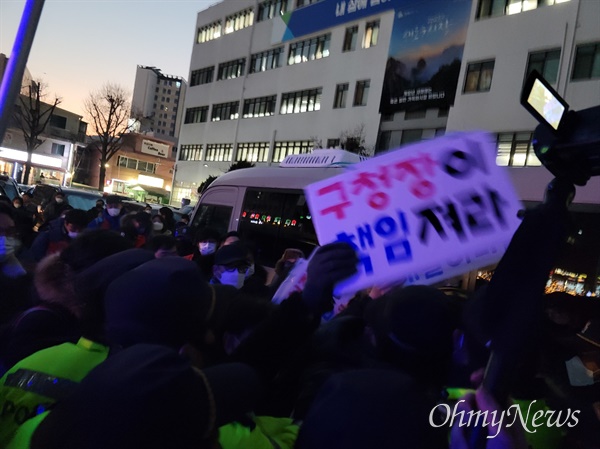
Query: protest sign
x=422, y=213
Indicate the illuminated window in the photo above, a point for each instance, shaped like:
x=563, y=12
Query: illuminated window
x=231, y=69
x=219, y=152
x=252, y=151
x=371, y=34
x=209, y=32
x=271, y=8
x=266, y=60
x=479, y=76
x=516, y=150
x=300, y=101
x=225, y=111
x=259, y=107
x=493, y=8
x=239, y=20
x=283, y=149
x=309, y=49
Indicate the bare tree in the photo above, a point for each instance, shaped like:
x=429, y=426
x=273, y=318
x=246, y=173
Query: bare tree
x=108, y=110
x=31, y=115
x=354, y=141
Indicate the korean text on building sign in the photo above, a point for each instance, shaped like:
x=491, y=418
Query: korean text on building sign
x=422, y=213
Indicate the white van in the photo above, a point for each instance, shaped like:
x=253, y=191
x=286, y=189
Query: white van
x=266, y=205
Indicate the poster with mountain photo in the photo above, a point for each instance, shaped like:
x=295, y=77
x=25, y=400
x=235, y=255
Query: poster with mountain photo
x=425, y=55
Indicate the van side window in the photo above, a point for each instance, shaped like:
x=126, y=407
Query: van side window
x=213, y=216
x=275, y=220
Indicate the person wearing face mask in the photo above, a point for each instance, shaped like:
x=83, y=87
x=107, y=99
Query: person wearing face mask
x=10, y=266
x=158, y=226
x=55, y=208
x=24, y=222
x=231, y=265
x=60, y=234
x=111, y=216
x=206, y=242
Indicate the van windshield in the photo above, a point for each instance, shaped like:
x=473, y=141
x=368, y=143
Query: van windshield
x=274, y=220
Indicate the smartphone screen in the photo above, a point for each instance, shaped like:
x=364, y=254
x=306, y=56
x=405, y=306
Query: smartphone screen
x=546, y=104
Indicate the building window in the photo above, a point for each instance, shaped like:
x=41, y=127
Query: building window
x=309, y=49
x=516, y=150
x=225, y=111
x=479, y=76
x=231, y=69
x=350, y=38
x=266, y=60
x=259, y=107
x=252, y=152
x=239, y=20
x=283, y=149
x=58, y=149
x=301, y=3
x=333, y=143
x=219, y=152
x=493, y=8
x=135, y=164
x=202, y=76
x=361, y=93
x=270, y=8
x=587, y=62
x=300, y=101
x=58, y=121
x=341, y=93
x=209, y=32
x=443, y=112
x=546, y=63
x=190, y=152
x=411, y=115
x=196, y=115
x=371, y=34
x=411, y=135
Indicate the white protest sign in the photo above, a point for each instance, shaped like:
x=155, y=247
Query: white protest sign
x=422, y=213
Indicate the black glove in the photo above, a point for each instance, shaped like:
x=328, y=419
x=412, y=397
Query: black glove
x=331, y=264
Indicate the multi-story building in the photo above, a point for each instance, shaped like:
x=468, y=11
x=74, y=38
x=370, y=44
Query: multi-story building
x=278, y=77
x=142, y=168
x=157, y=103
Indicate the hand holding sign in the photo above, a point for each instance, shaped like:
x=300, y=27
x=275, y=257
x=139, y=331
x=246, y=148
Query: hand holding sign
x=422, y=213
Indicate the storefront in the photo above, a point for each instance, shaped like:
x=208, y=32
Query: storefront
x=44, y=168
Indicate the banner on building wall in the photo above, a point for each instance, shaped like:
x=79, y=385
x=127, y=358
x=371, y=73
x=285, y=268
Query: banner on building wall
x=425, y=55
x=419, y=215
x=155, y=148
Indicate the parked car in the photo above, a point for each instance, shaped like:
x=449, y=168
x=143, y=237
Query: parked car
x=78, y=198
x=10, y=187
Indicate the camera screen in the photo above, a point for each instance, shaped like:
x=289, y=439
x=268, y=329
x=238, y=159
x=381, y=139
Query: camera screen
x=546, y=104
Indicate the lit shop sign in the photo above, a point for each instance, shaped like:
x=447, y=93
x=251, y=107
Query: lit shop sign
x=39, y=159
x=155, y=148
x=151, y=181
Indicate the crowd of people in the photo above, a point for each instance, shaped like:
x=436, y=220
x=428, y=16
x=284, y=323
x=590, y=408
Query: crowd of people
x=126, y=329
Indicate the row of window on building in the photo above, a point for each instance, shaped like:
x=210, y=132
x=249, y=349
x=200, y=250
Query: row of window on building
x=513, y=148
x=298, y=52
x=494, y=8
x=585, y=66
x=297, y=102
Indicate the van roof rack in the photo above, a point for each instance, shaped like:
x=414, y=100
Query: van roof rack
x=320, y=157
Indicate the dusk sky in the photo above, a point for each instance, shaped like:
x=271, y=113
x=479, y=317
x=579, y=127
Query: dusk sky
x=81, y=44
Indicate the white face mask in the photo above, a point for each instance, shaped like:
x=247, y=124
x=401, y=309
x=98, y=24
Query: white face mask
x=579, y=375
x=234, y=278
x=8, y=246
x=148, y=211
x=157, y=226
x=59, y=200
x=207, y=248
x=16, y=205
x=73, y=234
x=250, y=271
x=113, y=211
